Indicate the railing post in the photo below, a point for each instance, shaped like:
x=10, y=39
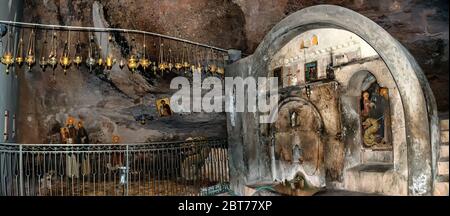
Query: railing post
x=21, y=170
x=127, y=170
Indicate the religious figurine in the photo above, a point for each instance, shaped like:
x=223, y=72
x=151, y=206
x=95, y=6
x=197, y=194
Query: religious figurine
x=82, y=135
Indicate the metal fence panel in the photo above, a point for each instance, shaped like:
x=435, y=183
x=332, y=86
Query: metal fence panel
x=169, y=168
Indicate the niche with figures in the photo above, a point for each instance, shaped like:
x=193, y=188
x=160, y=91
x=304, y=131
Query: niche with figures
x=375, y=115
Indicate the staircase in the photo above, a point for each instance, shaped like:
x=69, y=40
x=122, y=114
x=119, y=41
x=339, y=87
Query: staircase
x=441, y=183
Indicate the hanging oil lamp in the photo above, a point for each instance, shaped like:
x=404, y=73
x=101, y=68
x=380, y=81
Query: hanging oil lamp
x=30, y=58
x=100, y=61
x=43, y=61
x=90, y=61
x=186, y=64
x=52, y=58
x=199, y=65
x=192, y=65
x=7, y=58
x=110, y=61
x=121, y=64
x=19, y=57
x=154, y=66
x=212, y=66
x=144, y=62
x=221, y=68
x=170, y=65
x=178, y=63
x=132, y=61
x=65, y=60
x=78, y=59
x=162, y=64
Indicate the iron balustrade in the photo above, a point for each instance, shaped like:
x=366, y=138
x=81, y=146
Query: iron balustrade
x=153, y=169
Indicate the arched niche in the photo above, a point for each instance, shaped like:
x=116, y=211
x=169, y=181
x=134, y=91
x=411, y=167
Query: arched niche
x=418, y=104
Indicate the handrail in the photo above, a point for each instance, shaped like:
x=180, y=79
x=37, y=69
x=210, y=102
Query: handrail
x=112, y=144
x=97, y=29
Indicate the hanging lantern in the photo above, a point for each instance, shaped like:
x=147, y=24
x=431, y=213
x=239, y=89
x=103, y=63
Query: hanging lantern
x=110, y=61
x=132, y=61
x=19, y=57
x=144, y=62
x=65, y=60
x=199, y=65
x=90, y=60
x=30, y=58
x=178, y=62
x=162, y=64
x=78, y=59
x=154, y=66
x=121, y=64
x=52, y=59
x=7, y=58
x=186, y=64
x=212, y=67
x=192, y=65
x=43, y=61
x=221, y=68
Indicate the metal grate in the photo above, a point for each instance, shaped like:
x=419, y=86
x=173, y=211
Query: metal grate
x=154, y=169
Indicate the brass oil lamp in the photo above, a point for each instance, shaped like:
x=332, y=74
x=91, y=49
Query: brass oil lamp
x=133, y=62
x=19, y=58
x=162, y=64
x=212, y=66
x=109, y=61
x=43, y=61
x=30, y=58
x=186, y=64
x=65, y=60
x=90, y=60
x=144, y=62
x=221, y=68
x=7, y=57
x=52, y=58
x=78, y=59
x=178, y=64
x=170, y=65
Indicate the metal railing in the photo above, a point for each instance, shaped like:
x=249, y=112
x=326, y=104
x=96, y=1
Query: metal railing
x=153, y=169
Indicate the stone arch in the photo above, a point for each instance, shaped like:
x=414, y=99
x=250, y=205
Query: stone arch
x=419, y=106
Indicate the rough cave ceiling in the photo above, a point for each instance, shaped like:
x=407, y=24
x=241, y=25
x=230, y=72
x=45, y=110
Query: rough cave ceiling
x=422, y=26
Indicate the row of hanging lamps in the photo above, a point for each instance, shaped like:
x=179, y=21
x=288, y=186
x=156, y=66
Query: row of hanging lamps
x=174, y=56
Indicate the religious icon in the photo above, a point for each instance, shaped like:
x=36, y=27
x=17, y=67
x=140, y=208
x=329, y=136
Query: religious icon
x=115, y=139
x=163, y=107
x=311, y=71
x=375, y=117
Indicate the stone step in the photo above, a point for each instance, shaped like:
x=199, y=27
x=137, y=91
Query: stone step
x=444, y=136
x=444, y=124
x=443, y=151
x=443, y=166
